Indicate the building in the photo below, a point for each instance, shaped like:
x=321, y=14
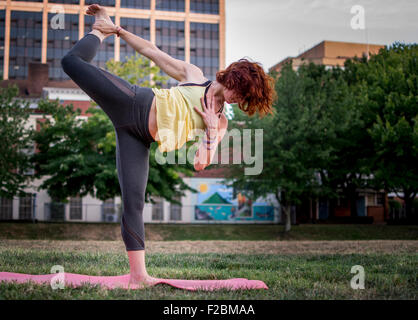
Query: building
x=190, y=30
x=330, y=54
x=32, y=46
x=370, y=203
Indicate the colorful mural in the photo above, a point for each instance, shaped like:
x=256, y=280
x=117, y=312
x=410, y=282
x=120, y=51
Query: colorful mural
x=215, y=202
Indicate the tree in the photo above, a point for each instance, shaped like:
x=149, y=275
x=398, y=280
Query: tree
x=74, y=155
x=389, y=80
x=350, y=167
x=137, y=69
x=298, y=139
x=16, y=142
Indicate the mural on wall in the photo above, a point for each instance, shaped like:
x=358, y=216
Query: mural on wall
x=216, y=201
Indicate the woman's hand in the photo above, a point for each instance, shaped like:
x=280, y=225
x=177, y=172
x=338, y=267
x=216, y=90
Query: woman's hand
x=104, y=26
x=209, y=116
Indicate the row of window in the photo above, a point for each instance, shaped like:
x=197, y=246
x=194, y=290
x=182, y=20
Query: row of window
x=158, y=211
x=170, y=39
x=56, y=211
x=140, y=27
x=197, y=6
x=2, y=30
x=372, y=199
x=26, y=41
x=25, y=208
x=204, y=48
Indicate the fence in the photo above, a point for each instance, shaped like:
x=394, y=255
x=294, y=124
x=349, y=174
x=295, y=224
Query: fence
x=106, y=212
x=399, y=214
x=161, y=212
x=27, y=209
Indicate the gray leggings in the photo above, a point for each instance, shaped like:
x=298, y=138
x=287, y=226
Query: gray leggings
x=128, y=107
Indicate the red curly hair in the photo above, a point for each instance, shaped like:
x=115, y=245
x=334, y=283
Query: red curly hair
x=251, y=84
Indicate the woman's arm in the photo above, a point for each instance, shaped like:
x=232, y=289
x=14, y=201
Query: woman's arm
x=216, y=126
x=175, y=68
x=204, y=156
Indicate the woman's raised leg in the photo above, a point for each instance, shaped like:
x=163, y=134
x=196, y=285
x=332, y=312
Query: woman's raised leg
x=116, y=97
x=112, y=93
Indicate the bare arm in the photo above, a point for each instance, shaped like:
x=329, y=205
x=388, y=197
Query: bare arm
x=204, y=156
x=216, y=126
x=175, y=68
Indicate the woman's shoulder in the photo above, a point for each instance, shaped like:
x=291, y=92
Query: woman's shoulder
x=196, y=82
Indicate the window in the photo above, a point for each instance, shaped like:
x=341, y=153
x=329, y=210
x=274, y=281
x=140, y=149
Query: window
x=76, y=208
x=60, y=41
x=137, y=4
x=106, y=50
x=342, y=202
x=170, y=39
x=204, y=6
x=175, y=211
x=55, y=211
x=109, y=212
x=25, y=42
x=64, y=1
x=170, y=5
x=29, y=151
x=204, y=47
x=375, y=199
x=2, y=26
x=158, y=210
x=370, y=199
x=380, y=199
x=25, y=207
x=6, y=209
x=109, y=206
x=140, y=27
x=107, y=3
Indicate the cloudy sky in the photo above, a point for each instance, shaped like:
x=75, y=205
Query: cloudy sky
x=268, y=31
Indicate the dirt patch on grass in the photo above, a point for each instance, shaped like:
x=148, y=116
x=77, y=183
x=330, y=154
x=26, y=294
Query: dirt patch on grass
x=246, y=247
x=64, y=231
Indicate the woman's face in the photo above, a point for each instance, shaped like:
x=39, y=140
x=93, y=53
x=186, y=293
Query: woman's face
x=233, y=99
x=230, y=96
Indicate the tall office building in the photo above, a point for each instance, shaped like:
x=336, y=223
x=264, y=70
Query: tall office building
x=35, y=35
x=44, y=30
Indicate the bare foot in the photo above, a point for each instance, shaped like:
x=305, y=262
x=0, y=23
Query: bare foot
x=141, y=282
x=100, y=14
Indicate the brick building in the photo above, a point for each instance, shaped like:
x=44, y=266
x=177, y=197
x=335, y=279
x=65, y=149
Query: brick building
x=330, y=54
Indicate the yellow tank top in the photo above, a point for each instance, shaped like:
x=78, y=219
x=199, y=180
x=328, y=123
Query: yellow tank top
x=177, y=120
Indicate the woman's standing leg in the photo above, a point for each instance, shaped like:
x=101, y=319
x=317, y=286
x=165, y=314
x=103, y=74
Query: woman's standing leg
x=132, y=160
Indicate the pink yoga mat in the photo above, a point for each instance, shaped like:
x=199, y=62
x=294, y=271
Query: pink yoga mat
x=111, y=282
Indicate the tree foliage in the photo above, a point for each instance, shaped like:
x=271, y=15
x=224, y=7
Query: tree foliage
x=389, y=85
x=16, y=142
x=338, y=130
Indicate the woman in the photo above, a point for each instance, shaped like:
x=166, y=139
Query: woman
x=168, y=116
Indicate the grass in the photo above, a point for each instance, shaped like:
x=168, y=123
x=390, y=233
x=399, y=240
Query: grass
x=291, y=275
x=388, y=276
x=167, y=232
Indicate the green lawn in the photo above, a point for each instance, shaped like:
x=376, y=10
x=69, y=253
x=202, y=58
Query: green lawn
x=388, y=276
x=102, y=231
x=301, y=275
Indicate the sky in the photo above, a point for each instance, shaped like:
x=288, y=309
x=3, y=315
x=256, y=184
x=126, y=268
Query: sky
x=267, y=31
